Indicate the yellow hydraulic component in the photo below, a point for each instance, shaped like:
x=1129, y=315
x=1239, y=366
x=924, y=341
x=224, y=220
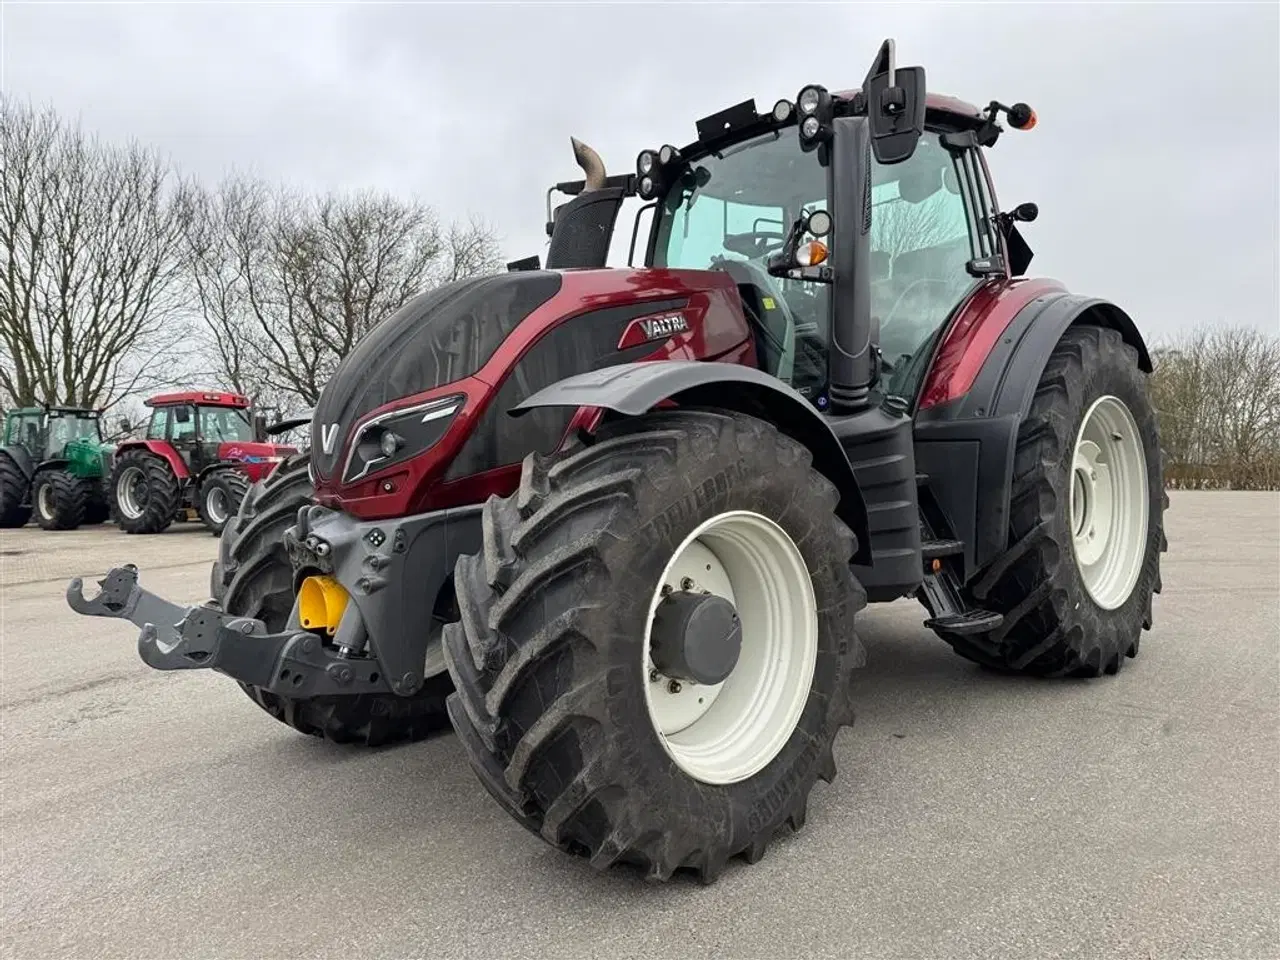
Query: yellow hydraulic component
x=321, y=603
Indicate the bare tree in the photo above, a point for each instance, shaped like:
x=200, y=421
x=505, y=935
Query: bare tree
x=1217, y=392
x=91, y=289
x=899, y=227
x=287, y=284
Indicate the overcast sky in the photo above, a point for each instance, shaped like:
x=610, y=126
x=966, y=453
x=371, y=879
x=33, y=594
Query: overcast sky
x=1156, y=161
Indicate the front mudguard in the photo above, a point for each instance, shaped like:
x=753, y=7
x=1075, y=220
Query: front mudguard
x=292, y=663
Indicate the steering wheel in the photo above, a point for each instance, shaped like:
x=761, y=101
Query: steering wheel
x=754, y=244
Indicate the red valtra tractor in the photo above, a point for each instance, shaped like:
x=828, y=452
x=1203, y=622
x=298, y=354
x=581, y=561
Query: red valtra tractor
x=201, y=451
x=617, y=527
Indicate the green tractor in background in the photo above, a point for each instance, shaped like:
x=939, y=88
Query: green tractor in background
x=52, y=464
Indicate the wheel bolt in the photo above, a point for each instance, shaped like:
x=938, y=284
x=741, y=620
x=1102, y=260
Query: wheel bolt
x=673, y=686
x=666, y=589
x=653, y=676
x=686, y=583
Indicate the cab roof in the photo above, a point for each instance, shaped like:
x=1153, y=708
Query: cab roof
x=204, y=398
x=940, y=109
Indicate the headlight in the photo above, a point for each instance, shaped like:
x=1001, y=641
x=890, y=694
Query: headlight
x=808, y=100
x=398, y=435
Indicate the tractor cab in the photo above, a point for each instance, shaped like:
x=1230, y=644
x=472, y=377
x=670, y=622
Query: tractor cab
x=47, y=432
x=920, y=234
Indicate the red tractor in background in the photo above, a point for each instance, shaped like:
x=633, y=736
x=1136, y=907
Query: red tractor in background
x=201, y=451
x=617, y=527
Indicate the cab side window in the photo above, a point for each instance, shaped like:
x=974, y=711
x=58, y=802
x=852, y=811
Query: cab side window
x=183, y=430
x=159, y=425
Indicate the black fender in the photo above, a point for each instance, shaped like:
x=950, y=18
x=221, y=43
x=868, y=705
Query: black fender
x=19, y=455
x=284, y=426
x=57, y=463
x=1007, y=382
x=632, y=389
x=967, y=446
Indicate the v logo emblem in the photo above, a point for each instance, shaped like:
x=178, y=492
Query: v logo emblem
x=328, y=437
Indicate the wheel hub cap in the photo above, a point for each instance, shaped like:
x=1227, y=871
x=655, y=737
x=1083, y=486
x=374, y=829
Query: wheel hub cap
x=696, y=637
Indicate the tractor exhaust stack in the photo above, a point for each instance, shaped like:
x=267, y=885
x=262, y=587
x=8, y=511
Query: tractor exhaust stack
x=591, y=164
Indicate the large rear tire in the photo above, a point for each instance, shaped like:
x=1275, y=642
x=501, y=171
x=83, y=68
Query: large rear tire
x=560, y=705
x=219, y=497
x=145, y=494
x=1086, y=520
x=253, y=577
x=14, y=511
x=60, y=500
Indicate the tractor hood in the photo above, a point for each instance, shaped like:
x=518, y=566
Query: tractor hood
x=438, y=337
x=532, y=327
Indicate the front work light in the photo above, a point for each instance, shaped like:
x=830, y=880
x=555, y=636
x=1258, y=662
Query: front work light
x=814, y=105
x=645, y=162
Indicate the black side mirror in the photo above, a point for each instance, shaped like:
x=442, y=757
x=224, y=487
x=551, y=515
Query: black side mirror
x=1026, y=212
x=895, y=101
x=125, y=425
x=182, y=414
x=259, y=427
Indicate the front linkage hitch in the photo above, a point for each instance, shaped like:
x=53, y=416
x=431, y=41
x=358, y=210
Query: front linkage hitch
x=294, y=663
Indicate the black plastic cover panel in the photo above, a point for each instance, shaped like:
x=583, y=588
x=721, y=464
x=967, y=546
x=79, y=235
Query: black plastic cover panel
x=439, y=337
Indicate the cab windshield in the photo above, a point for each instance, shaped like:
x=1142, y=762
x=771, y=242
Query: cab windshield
x=734, y=207
x=729, y=212
x=67, y=427
x=225, y=425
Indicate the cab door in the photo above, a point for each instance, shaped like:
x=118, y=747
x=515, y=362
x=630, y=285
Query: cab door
x=184, y=436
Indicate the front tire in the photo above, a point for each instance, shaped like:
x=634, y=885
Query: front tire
x=144, y=492
x=555, y=696
x=13, y=492
x=60, y=500
x=219, y=497
x=1076, y=583
x=253, y=577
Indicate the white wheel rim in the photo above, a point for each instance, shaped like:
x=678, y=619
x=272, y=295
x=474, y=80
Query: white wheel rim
x=215, y=504
x=1108, y=502
x=729, y=732
x=129, y=478
x=45, y=501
